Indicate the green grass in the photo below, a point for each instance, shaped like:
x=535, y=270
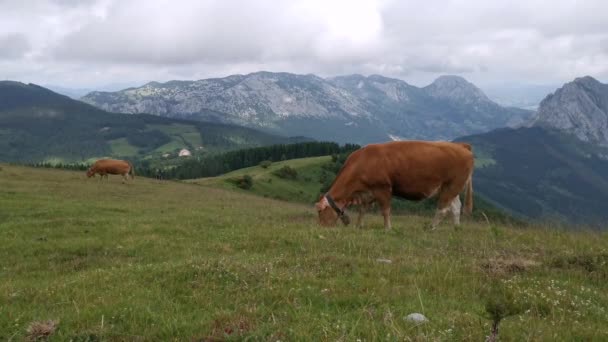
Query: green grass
x=483, y=158
x=193, y=138
x=483, y=162
x=121, y=147
x=304, y=189
x=159, y=261
x=171, y=146
x=184, y=136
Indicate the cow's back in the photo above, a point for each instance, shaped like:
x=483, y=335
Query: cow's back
x=112, y=166
x=413, y=169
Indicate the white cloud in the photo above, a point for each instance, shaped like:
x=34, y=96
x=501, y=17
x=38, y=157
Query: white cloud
x=13, y=45
x=90, y=43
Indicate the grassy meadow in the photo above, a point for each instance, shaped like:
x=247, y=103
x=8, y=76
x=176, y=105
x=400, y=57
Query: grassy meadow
x=304, y=189
x=163, y=261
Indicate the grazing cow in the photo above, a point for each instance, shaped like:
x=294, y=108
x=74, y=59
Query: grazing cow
x=113, y=167
x=412, y=170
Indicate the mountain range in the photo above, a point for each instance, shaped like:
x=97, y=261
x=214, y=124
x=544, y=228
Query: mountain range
x=37, y=125
x=552, y=165
x=557, y=167
x=350, y=108
x=545, y=165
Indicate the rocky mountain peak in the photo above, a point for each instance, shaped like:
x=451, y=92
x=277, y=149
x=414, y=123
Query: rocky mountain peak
x=456, y=88
x=587, y=80
x=579, y=107
x=384, y=79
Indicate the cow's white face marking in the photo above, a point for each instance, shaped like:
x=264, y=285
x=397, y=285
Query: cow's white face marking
x=322, y=204
x=327, y=216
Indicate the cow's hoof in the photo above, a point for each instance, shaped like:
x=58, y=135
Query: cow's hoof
x=429, y=227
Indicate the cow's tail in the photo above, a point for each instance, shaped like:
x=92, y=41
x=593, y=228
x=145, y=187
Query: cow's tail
x=468, y=201
x=131, y=170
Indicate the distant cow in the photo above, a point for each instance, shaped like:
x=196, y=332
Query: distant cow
x=412, y=170
x=103, y=167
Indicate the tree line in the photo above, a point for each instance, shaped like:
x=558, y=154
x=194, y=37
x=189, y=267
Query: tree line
x=65, y=166
x=217, y=164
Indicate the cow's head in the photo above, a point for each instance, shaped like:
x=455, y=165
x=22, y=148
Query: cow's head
x=90, y=172
x=327, y=215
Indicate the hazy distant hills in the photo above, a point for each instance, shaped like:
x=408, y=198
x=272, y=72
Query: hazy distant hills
x=37, y=124
x=77, y=93
x=351, y=108
x=558, y=167
x=526, y=96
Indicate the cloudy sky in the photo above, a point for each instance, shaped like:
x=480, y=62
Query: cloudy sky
x=93, y=43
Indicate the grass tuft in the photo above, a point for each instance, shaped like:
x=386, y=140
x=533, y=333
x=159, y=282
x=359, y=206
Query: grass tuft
x=41, y=331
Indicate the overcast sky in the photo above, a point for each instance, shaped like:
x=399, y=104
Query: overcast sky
x=92, y=43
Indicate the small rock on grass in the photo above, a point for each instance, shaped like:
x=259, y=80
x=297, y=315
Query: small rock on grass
x=416, y=318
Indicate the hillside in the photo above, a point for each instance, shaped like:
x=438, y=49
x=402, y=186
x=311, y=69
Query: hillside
x=304, y=189
x=37, y=124
x=313, y=174
x=352, y=109
x=557, y=167
x=163, y=260
x=543, y=174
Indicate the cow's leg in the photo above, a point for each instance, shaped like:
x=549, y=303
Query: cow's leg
x=386, y=212
x=455, y=207
x=384, y=200
x=362, y=209
x=439, y=215
x=443, y=206
x=124, y=178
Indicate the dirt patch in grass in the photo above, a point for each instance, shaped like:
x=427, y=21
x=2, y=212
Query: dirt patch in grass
x=229, y=327
x=41, y=331
x=505, y=266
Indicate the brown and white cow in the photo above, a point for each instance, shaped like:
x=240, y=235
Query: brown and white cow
x=412, y=170
x=103, y=167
